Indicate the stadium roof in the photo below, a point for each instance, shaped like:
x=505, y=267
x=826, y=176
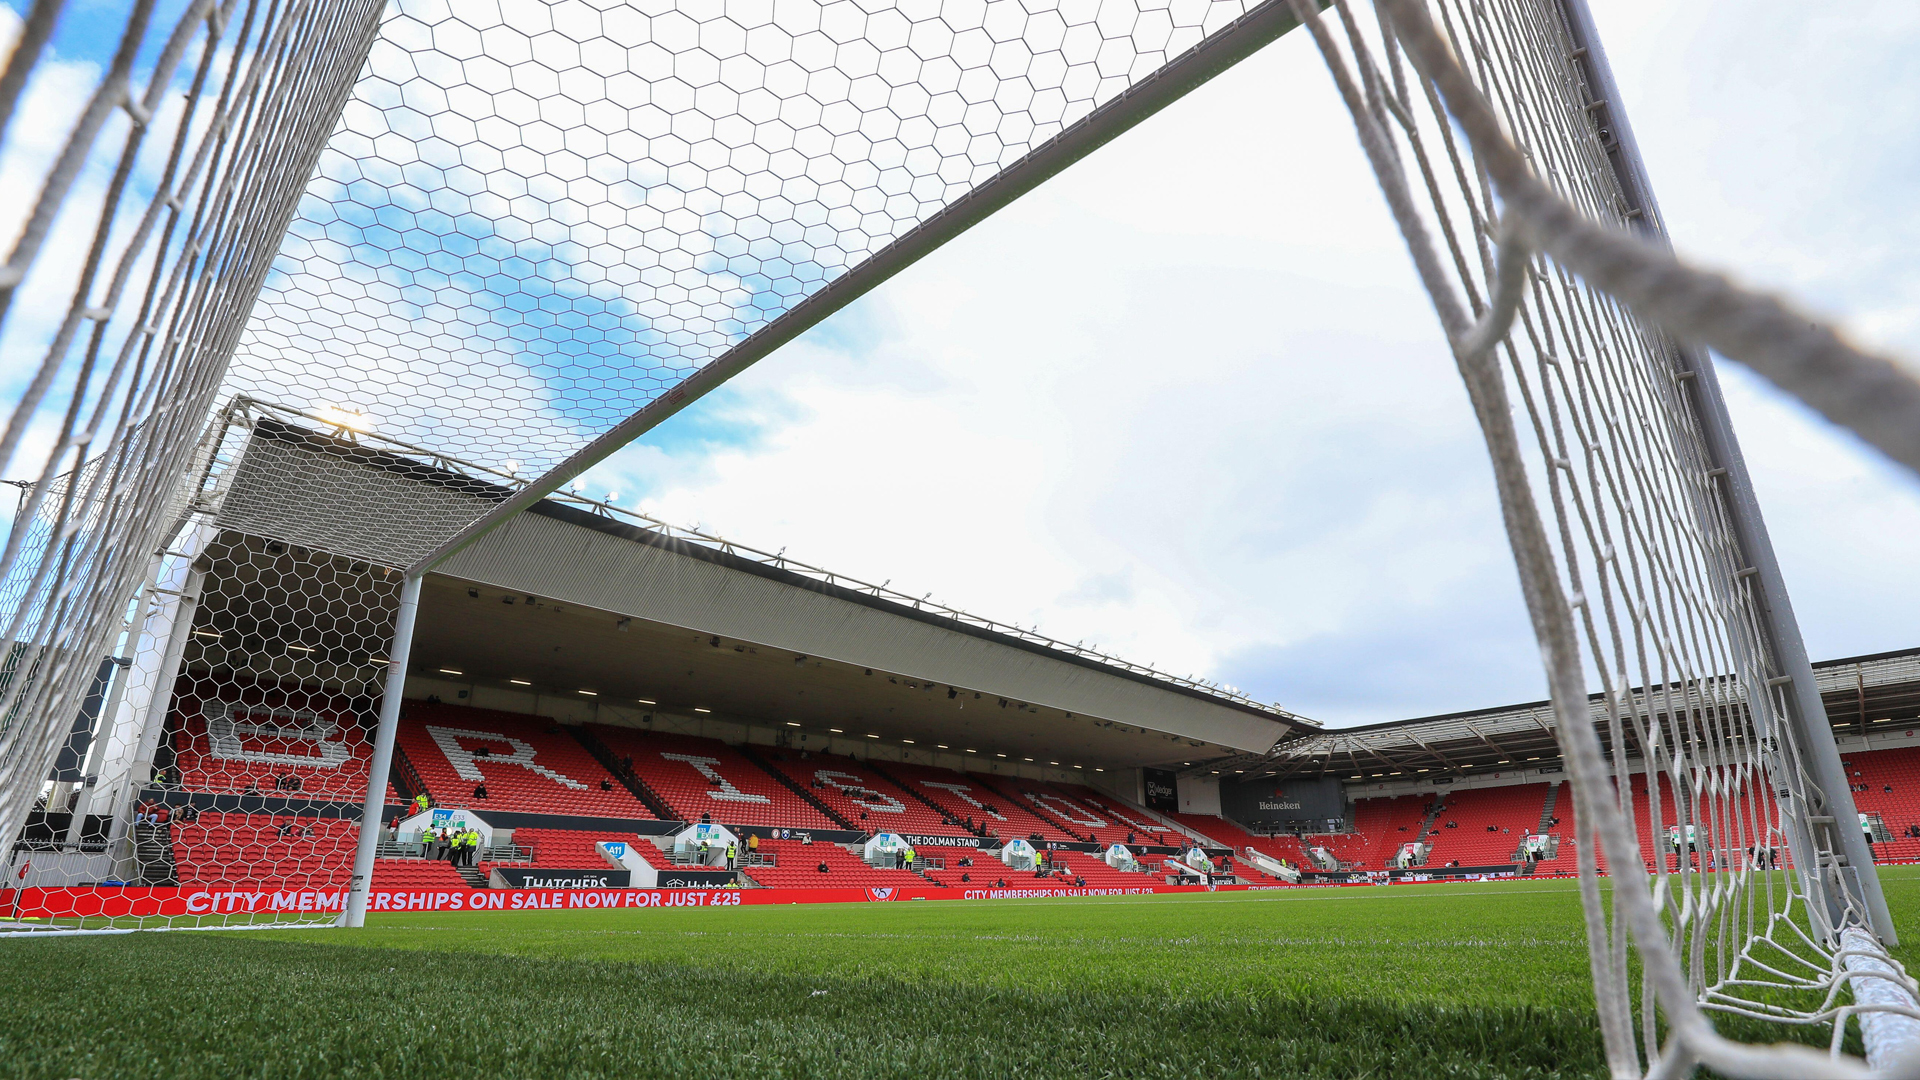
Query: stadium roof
x=1860, y=692
x=604, y=600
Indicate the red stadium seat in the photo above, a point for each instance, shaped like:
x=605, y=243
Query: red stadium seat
x=798, y=866
x=706, y=776
x=867, y=799
x=1512, y=812
x=232, y=738
x=966, y=795
x=526, y=764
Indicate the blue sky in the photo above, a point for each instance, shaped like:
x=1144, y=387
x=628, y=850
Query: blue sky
x=1187, y=402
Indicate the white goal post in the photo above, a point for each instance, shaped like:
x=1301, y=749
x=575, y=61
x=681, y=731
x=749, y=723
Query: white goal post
x=1506, y=160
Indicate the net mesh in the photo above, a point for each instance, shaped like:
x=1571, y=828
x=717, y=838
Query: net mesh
x=538, y=218
x=150, y=220
x=494, y=233
x=1696, y=790
x=488, y=232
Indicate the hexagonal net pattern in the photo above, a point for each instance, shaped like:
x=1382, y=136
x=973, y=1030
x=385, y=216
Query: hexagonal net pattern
x=534, y=219
x=151, y=168
x=511, y=228
x=1708, y=784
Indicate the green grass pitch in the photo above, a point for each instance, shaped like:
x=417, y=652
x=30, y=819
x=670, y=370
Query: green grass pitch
x=1471, y=980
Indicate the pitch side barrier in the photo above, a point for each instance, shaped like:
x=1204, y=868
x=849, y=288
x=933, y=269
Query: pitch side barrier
x=141, y=901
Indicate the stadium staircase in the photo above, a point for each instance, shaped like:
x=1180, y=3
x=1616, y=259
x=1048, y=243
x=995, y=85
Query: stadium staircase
x=945, y=814
x=153, y=853
x=1036, y=809
x=1546, y=812
x=404, y=778
x=788, y=782
x=630, y=780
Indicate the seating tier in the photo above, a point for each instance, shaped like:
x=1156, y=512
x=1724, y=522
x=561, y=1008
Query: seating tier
x=706, y=776
x=529, y=765
x=268, y=852
x=1096, y=872
x=1887, y=782
x=1492, y=824
x=268, y=741
x=1118, y=821
x=860, y=795
x=964, y=796
x=570, y=849
x=797, y=865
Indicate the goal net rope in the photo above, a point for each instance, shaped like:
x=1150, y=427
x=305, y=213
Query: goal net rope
x=1732, y=889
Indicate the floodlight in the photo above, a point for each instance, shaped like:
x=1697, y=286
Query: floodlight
x=519, y=682
x=344, y=419
x=696, y=708
x=591, y=693
x=450, y=671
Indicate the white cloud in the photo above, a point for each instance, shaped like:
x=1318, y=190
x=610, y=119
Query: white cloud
x=1185, y=400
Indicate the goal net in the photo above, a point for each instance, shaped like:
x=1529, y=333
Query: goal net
x=311, y=292
x=1711, y=791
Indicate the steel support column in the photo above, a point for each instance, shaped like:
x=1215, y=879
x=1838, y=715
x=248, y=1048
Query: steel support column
x=355, y=912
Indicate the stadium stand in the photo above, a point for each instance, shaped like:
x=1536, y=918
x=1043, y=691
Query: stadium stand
x=964, y=796
x=415, y=874
x=568, y=849
x=797, y=865
x=527, y=764
x=1096, y=873
x=1492, y=823
x=1887, y=783
x=1223, y=833
x=1120, y=819
x=1218, y=830
x=265, y=851
x=706, y=776
x=231, y=850
x=285, y=741
x=1041, y=800
x=868, y=800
